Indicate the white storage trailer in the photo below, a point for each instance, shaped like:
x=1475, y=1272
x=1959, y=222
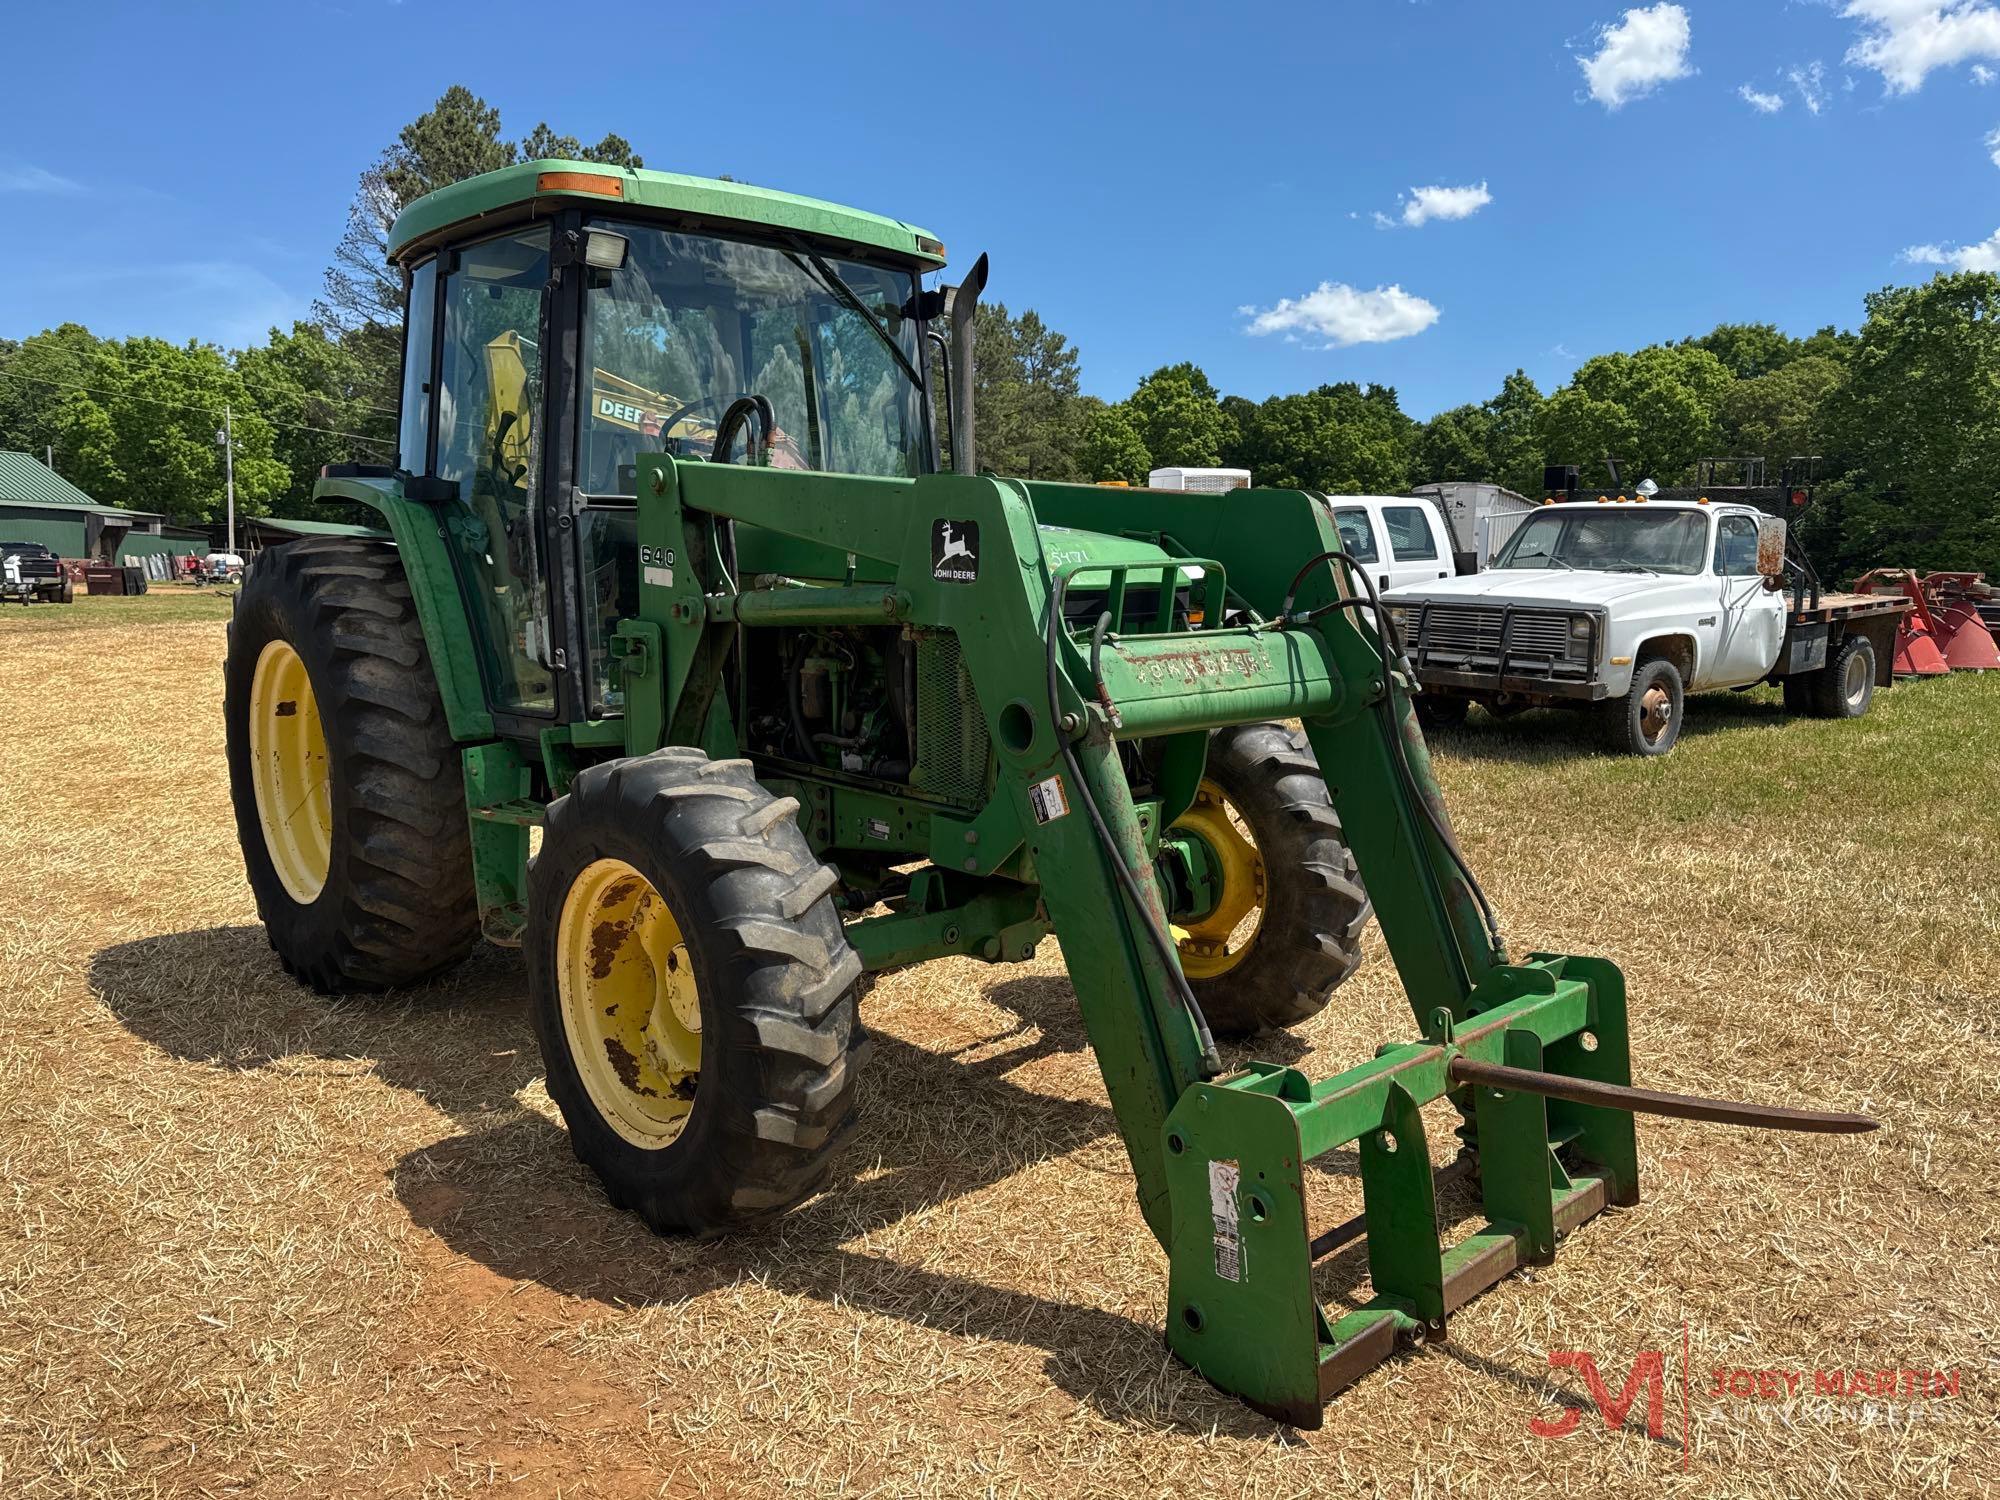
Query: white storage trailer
x=1479, y=515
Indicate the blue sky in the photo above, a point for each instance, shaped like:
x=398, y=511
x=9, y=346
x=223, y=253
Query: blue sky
x=1162, y=182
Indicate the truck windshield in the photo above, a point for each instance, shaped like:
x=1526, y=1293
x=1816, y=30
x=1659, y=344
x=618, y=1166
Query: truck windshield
x=1604, y=540
x=691, y=323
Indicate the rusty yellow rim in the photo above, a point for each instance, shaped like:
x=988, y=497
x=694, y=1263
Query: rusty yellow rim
x=289, y=772
x=1216, y=943
x=631, y=1011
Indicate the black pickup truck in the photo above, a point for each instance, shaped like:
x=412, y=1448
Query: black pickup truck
x=30, y=572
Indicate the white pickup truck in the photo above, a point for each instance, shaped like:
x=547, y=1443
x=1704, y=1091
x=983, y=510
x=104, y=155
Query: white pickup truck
x=1628, y=606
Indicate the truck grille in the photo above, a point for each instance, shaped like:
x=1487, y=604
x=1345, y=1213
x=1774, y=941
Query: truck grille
x=1474, y=630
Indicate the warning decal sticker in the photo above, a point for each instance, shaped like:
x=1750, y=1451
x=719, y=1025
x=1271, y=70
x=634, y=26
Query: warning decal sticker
x=1223, y=1177
x=1048, y=801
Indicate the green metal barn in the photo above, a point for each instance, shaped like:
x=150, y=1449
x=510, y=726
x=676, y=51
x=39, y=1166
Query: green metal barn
x=39, y=505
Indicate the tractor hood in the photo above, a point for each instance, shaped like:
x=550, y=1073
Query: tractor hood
x=1063, y=547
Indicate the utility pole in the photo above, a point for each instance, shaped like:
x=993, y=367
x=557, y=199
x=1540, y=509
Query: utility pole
x=227, y=437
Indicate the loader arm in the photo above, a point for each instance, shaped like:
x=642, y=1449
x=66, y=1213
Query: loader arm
x=1217, y=1160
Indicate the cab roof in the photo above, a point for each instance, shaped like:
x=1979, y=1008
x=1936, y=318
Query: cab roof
x=534, y=188
x=1630, y=503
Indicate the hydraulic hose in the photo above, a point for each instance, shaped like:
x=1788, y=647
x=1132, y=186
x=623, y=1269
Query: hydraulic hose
x=1211, y=1061
x=1392, y=657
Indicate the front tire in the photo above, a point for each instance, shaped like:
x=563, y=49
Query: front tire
x=1286, y=929
x=692, y=990
x=349, y=796
x=1647, y=720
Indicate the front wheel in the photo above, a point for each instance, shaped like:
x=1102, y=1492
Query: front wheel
x=1647, y=720
x=1283, y=927
x=692, y=990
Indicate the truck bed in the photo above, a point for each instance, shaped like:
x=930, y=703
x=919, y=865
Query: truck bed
x=1847, y=607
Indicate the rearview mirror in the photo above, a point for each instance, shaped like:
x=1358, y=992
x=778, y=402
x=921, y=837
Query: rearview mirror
x=1771, y=547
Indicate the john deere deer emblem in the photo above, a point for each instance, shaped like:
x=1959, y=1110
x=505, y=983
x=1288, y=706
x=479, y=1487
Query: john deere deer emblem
x=955, y=551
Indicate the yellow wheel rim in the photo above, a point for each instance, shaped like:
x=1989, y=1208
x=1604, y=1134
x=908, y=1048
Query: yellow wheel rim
x=289, y=772
x=1216, y=943
x=630, y=1008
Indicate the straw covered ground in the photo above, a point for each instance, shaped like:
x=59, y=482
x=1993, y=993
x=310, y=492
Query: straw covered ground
x=255, y=1242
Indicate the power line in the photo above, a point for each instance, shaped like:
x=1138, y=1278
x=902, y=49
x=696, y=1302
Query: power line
x=186, y=406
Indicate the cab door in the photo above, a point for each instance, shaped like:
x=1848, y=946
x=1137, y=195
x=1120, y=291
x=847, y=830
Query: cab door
x=1361, y=541
x=1751, y=620
x=488, y=446
x=1417, y=552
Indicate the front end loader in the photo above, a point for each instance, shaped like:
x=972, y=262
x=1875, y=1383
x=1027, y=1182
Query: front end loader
x=797, y=694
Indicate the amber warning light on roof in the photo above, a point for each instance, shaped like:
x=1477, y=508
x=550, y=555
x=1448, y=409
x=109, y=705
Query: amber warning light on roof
x=581, y=182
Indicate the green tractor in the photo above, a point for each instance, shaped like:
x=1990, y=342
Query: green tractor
x=688, y=563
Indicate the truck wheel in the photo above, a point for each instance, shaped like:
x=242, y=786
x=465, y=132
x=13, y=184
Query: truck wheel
x=1286, y=926
x=1647, y=720
x=1435, y=711
x=692, y=990
x=350, y=800
x=1844, y=687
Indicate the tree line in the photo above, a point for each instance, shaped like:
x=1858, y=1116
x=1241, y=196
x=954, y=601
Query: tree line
x=1903, y=415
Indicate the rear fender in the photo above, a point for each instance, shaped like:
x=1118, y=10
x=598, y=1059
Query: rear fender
x=434, y=587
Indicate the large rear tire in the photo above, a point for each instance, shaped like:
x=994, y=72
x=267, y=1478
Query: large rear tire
x=1287, y=927
x=349, y=796
x=692, y=990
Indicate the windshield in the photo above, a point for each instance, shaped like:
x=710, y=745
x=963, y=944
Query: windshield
x=691, y=323
x=1609, y=541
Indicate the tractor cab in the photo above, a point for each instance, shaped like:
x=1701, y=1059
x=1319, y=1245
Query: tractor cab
x=566, y=318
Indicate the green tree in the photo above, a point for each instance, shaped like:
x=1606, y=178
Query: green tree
x=1179, y=418
x=1342, y=439
x=38, y=377
x=1654, y=411
x=1027, y=416
x=312, y=386
x=1455, y=444
x=1918, y=426
x=1779, y=415
x=1113, y=449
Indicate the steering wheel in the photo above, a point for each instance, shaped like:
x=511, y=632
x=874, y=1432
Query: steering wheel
x=700, y=404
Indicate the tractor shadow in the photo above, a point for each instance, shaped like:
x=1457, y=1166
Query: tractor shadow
x=1554, y=734
x=505, y=1190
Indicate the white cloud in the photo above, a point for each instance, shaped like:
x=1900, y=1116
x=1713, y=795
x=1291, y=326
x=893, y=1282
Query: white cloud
x=1810, y=80
x=1764, y=104
x=1907, y=40
x=1983, y=74
x=1647, y=48
x=35, y=180
x=1343, y=315
x=1427, y=203
x=1993, y=145
x=1984, y=256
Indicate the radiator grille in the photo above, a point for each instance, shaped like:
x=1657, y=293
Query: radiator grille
x=953, y=747
x=1474, y=630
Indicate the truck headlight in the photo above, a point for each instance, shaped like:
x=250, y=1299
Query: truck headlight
x=1579, y=627
x=1399, y=616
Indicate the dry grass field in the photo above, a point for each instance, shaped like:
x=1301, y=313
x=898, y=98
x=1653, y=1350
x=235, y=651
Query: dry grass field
x=255, y=1242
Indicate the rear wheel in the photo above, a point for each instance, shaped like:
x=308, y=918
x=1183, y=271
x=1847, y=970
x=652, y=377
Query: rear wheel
x=692, y=991
x=350, y=801
x=1285, y=927
x=1845, y=686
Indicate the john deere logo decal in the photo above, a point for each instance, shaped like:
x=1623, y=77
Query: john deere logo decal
x=955, y=551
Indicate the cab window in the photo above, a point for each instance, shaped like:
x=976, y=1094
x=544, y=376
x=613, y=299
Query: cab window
x=1736, y=547
x=1409, y=533
x=489, y=444
x=1357, y=536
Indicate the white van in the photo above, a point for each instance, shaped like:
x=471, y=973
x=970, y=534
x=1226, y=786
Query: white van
x=1398, y=539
